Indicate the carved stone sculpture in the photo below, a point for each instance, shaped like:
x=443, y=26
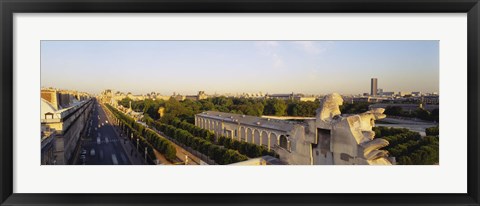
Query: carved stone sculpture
x=352, y=138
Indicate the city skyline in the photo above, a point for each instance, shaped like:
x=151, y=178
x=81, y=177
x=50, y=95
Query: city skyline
x=186, y=67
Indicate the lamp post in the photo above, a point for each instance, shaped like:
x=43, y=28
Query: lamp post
x=137, y=143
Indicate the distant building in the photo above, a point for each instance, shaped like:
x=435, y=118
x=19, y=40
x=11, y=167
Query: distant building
x=432, y=99
x=367, y=99
x=62, y=98
x=178, y=97
x=160, y=97
x=136, y=97
x=201, y=95
x=417, y=94
x=380, y=92
x=388, y=93
x=106, y=96
x=402, y=94
x=360, y=99
x=373, y=87
x=253, y=95
x=292, y=96
x=303, y=98
x=405, y=107
x=281, y=96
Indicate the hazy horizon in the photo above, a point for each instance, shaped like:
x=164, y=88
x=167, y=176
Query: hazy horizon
x=186, y=67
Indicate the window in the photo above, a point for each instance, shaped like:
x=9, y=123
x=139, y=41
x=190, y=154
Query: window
x=49, y=114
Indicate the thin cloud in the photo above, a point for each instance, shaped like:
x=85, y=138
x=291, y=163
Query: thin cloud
x=270, y=49
x=312, y=47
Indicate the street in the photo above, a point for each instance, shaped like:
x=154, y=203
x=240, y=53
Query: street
x=103, y=146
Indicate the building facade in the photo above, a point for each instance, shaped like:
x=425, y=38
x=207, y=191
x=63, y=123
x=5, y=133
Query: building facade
x=67, y=124
x=292, y=96
x=48, y=146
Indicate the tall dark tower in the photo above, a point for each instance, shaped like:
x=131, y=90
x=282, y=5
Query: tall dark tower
x=373, y=87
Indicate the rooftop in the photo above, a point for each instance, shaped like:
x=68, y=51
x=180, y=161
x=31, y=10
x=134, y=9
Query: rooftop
x=274, y=124
x=46, y=107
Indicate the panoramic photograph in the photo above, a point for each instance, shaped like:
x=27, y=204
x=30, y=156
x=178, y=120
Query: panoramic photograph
x=239, y=103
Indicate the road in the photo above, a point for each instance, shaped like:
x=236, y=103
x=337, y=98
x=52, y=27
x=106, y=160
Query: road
x=103, y=146
x=413, y=125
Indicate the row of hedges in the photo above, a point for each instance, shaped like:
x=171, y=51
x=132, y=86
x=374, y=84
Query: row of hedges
x=194, y=130
x=432, y=131
x=249, y=149
x=408, y=147
x=219, y=154
x=147, y=138
x=424, y=151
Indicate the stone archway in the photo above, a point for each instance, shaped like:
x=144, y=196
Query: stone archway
x=273, y=140
x=256, y=137
x=242, y=137
x=249, y=135
x=264, y=139
x=212, y=125
x=218, y=128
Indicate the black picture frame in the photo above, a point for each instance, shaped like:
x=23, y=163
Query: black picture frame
x=9, y=7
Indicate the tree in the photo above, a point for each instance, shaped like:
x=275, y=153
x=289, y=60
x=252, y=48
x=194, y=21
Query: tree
x=170, y=152
x=354, y=108
x=432, y=131
x=393, y=110
x=422, y=114
x=404, y=160
x=275, y=107
x=207, y=105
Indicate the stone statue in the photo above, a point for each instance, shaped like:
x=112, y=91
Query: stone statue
x=352, y=138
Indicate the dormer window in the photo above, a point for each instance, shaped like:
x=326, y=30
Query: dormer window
x=48, y=114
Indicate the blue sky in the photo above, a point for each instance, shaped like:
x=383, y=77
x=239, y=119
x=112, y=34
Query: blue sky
x=311, y=67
